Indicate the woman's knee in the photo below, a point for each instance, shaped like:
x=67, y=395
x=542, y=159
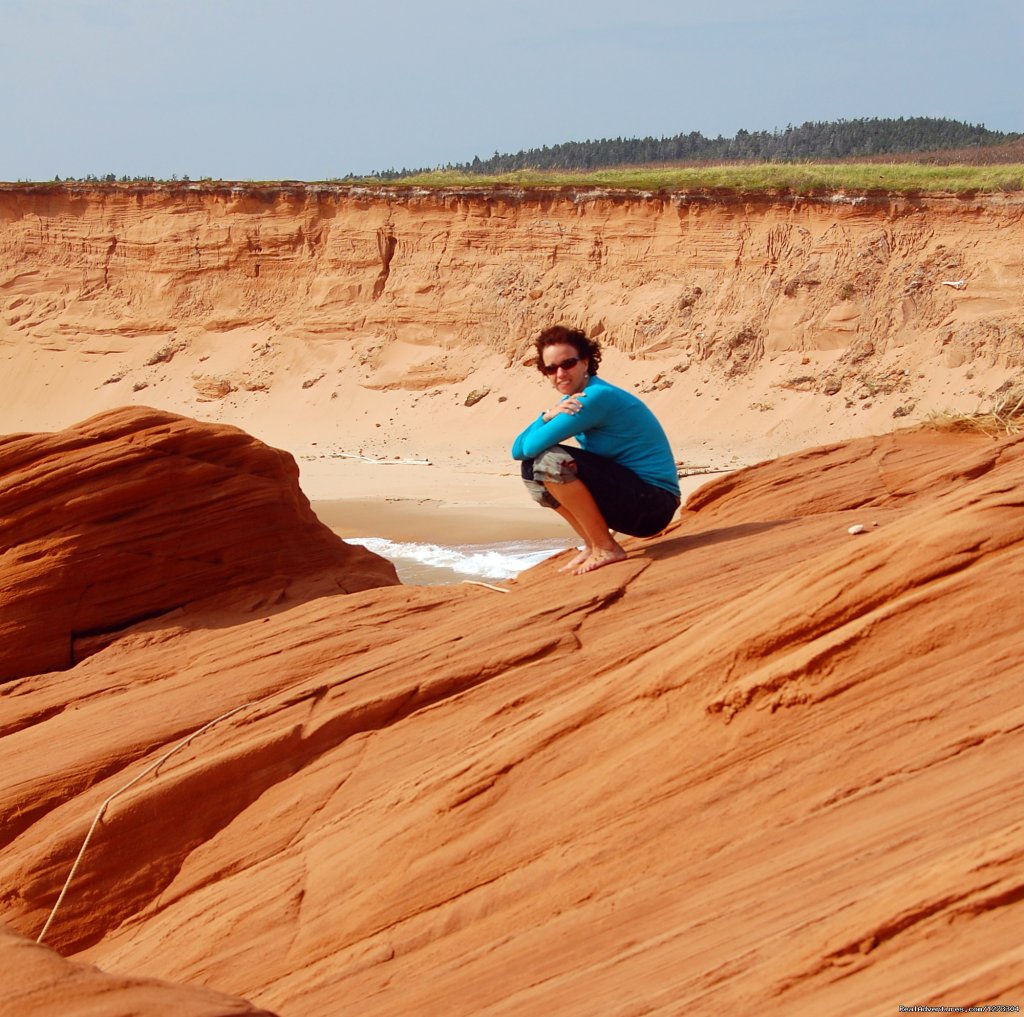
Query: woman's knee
x=554, y=465
x=540, y=494
x=535, y=486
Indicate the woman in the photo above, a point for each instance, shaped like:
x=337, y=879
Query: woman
x=623, y=477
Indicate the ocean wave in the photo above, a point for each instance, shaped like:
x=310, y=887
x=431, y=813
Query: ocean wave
x=504, y=560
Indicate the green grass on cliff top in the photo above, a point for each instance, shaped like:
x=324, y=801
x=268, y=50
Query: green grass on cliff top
x=849, y=179
x=803, y=178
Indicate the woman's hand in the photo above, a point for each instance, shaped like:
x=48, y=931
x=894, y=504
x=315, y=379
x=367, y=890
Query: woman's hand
x=572, y=405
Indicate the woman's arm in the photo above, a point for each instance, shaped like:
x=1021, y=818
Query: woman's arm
x=572, y=416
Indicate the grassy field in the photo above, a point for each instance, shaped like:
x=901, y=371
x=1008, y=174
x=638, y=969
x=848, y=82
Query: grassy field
x=790, y=178
x=850, y=179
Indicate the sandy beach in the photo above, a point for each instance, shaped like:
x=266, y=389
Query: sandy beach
x=426, y=519
x=423, y=502
x=428, y=502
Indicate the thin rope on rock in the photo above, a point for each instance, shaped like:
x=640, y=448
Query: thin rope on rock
x=103, y=808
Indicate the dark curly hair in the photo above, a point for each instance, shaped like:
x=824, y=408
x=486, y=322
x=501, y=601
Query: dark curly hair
x=588, y=349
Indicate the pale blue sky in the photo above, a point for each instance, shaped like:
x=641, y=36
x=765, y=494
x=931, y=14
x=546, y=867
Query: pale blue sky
x=312, y=89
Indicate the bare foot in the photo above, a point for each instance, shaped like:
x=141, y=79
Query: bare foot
x=599, y=557
x=580, y=558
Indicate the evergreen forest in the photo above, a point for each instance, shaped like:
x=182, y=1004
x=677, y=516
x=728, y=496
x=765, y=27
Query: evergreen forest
x=865, y=138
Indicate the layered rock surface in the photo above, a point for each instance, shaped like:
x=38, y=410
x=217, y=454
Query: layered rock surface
x=763, y=765
x=136, y=513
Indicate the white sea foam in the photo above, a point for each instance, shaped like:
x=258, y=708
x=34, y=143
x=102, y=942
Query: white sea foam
x=433, y=563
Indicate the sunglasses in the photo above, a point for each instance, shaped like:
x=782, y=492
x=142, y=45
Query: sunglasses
x=566, y=365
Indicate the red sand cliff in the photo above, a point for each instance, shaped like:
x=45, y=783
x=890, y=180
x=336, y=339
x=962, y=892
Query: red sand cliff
x=341, y=318
x=764, y=766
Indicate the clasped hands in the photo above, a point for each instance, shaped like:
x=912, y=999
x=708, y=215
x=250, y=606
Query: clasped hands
x=572, y=405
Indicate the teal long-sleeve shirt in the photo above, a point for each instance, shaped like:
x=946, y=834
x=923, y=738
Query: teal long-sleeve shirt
x=612, y=423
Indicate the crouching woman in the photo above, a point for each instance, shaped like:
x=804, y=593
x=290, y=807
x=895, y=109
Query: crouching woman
x=622, y=478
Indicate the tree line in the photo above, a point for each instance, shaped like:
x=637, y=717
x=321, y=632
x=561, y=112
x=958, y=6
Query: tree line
x=814, y=140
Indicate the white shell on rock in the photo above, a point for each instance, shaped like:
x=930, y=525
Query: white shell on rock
x=856, y=528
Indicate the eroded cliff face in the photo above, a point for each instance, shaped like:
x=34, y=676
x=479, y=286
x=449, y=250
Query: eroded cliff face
x=228, y=302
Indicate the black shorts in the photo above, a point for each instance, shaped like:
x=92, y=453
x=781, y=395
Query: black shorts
x=629, y=505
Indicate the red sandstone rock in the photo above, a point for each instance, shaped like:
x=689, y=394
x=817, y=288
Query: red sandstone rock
x=763, y=766
x=136, y=513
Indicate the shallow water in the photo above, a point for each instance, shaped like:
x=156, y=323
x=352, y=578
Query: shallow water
x=433, y=564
